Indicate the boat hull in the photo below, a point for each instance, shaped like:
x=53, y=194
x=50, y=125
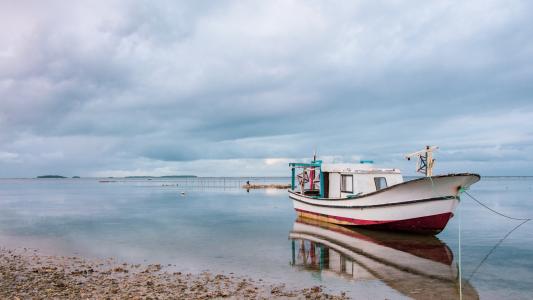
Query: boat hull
x=422, y=205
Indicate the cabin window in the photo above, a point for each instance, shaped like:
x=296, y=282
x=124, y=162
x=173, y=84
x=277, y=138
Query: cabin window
x=381, y=183
x=347, y=183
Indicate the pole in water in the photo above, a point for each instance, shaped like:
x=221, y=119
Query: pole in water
x=459, y=258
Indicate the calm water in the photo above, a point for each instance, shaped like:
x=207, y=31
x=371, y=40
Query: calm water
x=255, y=234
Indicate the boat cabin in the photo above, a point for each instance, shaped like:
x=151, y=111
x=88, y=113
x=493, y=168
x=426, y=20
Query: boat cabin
x=341, y=180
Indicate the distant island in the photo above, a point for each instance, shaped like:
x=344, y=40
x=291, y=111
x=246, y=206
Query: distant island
x=75, y=176
x=168, y=176
x=51, y=176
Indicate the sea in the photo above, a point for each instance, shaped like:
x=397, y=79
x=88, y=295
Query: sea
x=213, y=224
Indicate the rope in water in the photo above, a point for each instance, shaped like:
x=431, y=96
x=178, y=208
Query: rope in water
x=524, y=220
x=494, y=211
x=459, y=264
x=460, y=268
x=463, y=190
x=494, y=248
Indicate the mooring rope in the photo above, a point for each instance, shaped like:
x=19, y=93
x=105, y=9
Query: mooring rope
x=494, y=248
x=460, y=265
x=463, y=190
x=494, y=211
x=524, y=221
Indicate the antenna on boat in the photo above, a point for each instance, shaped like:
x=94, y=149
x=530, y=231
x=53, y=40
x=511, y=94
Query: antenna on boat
x=425, y=161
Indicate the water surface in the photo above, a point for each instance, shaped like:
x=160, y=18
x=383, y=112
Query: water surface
x=210, y=227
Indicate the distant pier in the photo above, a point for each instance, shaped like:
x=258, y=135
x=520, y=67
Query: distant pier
x=250, y=186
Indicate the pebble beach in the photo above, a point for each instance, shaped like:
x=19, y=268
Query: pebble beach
x=28, y=274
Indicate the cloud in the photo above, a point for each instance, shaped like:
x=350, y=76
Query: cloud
x=121, y=86
x=8, y=156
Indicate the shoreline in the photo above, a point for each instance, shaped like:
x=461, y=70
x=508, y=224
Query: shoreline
x=26, y=273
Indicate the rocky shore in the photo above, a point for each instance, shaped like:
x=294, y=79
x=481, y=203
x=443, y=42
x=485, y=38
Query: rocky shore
x=27, y=274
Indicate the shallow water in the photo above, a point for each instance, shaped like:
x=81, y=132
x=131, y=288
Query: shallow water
x=255, y=234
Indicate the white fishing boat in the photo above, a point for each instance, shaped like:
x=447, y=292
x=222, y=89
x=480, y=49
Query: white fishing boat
x=363, y=195
x=419, y=267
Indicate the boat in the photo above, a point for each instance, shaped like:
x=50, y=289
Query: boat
x=364, y=195
x=416, y=266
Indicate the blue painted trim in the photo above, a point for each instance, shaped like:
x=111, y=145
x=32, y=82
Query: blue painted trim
x=292, y=179
x=306, y=165
x=322, y=261
x=318, y=163
x=313, y=164
x=293, y=253
x=366, y=161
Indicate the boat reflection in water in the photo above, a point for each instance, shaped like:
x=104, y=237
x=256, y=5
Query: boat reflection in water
x=419, y=267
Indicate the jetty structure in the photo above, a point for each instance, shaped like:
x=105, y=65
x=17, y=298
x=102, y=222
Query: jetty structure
x=364, y=195
x=253, y=186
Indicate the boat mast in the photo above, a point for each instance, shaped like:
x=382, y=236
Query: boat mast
x=312, y=174
x=425, y=161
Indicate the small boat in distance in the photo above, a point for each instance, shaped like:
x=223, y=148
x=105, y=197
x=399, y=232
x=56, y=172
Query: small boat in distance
x=362, y=195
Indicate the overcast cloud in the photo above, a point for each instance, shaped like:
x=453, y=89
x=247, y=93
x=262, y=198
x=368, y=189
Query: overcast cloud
x=115, y=88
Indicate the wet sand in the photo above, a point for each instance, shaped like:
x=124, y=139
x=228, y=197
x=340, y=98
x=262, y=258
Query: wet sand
x=28, y=274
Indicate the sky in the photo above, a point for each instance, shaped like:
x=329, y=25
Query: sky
x=240, y=88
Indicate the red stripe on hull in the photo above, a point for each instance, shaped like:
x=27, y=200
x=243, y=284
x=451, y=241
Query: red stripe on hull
x=428, y=224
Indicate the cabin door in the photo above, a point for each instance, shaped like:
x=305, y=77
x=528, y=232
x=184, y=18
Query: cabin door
x=334, y=185
x=326, y=185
